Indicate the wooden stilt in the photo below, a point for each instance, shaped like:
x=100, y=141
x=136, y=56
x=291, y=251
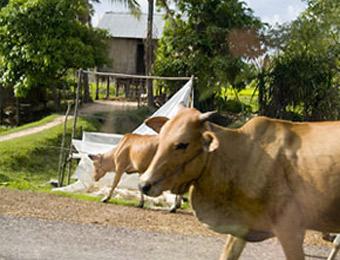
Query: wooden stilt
x=62, y=148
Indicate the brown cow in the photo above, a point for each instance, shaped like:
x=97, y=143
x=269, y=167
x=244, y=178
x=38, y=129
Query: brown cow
x=133, y=154
x=267, y=178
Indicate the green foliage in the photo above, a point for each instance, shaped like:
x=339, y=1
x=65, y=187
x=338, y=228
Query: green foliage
x=40, y=40
x=305, y=74
x=29, y=162
x=211, y=43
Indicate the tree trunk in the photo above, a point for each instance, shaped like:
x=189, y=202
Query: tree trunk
x=56, y=97
x=86, y=98
x=261, y=101
x=149, y=53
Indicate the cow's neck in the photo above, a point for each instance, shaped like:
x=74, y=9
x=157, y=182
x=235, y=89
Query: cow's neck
x=216, y=195
x=108, y=163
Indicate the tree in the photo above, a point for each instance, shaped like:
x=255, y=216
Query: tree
x=149, y=51
x=41, y=40
x=212, y=42
x=304, y=75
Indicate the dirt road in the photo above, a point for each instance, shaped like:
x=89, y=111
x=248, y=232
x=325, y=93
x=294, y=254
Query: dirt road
x=46, y=226
x=86, y=110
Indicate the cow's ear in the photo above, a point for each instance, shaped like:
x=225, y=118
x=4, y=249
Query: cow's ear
x=210, y=141
x=156, y=123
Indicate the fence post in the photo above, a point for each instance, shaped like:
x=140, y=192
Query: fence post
x=108, y=87
x=97, y=87
x=62, y=149
x=68, y=159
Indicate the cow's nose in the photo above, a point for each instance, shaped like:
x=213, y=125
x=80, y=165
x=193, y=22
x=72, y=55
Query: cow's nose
x=144, y=187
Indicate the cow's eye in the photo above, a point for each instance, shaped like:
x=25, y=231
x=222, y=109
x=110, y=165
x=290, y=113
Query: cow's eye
x=181, y=146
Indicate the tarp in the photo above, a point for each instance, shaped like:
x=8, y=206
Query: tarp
x=94, y=143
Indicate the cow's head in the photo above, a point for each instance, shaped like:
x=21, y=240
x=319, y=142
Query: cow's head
x=184, y=146
x=98, y=168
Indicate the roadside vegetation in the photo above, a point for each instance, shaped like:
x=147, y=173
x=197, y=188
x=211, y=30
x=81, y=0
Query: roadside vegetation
x=31, y=161
x=10, y=130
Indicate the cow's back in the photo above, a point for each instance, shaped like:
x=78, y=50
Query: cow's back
x=136, y=151
x=302, y=160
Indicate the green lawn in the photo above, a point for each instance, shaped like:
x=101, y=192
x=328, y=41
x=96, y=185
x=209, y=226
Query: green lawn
x=30, y=162
x=5, y=131
x=247, y=96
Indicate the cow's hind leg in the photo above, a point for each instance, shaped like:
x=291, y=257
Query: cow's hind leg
x=177, y=204
x=233, y=248
x=116, y=180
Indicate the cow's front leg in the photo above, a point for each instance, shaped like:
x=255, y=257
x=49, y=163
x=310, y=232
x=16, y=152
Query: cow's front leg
x=116, y=180
x=233, y=248
x=141, y=201
x=292, y=243
x=290, y=232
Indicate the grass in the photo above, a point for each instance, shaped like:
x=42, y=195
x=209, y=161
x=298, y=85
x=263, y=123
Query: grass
x=31, y=161
x=87, y=197
x=245, y=96
x=5, y=131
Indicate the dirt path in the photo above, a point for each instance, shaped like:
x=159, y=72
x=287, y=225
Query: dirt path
x=87, y=109
x=129, y=225
x=33, y=130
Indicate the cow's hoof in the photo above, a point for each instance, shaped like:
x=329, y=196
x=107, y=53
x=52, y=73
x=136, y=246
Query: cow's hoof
x=105, y=200
x=140, y=205
x=173, y=210
x=328, y=237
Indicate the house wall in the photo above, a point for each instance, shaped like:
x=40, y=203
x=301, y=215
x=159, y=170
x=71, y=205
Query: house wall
x=123, y=53
x=123, y=56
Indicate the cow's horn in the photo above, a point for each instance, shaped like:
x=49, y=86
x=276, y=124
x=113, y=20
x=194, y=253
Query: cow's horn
x=207, y=115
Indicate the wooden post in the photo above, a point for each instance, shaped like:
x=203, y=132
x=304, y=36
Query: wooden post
x=97, y=87
x=62, y=149
x=75, y=117
x=108, y=88
x=87, y=97
x=117, y=86
x=149, y=53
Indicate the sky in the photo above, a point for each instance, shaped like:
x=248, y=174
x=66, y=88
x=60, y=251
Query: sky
x=270, y=11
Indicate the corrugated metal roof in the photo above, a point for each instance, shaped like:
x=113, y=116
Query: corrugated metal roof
x=125, y=25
